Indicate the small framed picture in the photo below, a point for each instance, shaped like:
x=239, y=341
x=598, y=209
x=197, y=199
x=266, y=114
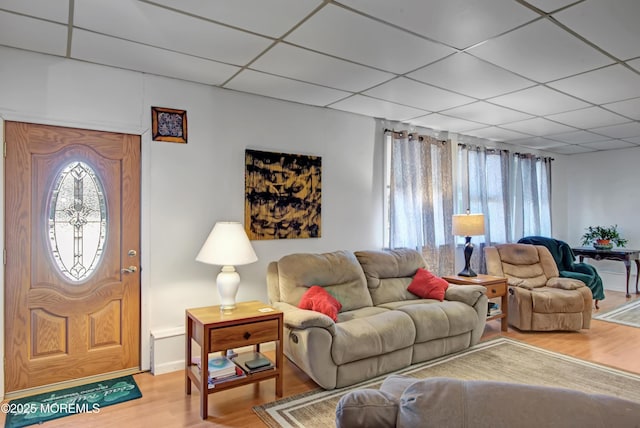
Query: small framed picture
x=168, y=124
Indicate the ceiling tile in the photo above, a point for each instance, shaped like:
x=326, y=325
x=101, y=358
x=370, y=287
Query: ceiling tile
x=634, y=140
x=54, y=10
x=106, y=50
x=611, y=25
x=468, y=75
x=550, y=5
x=530, y=51
x=486, y=113
x=445, y=123
x=538, y=143
x=588, y=118
x=606, y=85
x=538, y=126
x=377, y=108
x=301, y=64
x=338, y=32
x=539, y=101
x=286, y=89
x=159, y=27
x=415, y=94
x=473, y=21
x=282, y=14
x=628, y=108
x=627, y=130
x=577, y=137
x=571, y=150
x=497, y=134
x=609, y=145
x=32, y=34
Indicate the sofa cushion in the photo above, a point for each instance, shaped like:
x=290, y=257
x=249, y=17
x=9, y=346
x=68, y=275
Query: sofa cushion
x=372, y=336
x=338, y=272
x=459, y=403
x=565, y=283
x=318, y=299
x=388, y=273
x=428, y=286
x=367, y=408
x=550, y=300
x=435, y=320
x=360, y=313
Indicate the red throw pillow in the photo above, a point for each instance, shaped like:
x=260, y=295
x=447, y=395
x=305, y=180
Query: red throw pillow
x=427, y=285
x=318, y=299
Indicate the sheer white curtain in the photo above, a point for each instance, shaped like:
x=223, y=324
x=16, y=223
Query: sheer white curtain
x=483, y=189
x=421, y=199
x=513, y=191
x=530, y=196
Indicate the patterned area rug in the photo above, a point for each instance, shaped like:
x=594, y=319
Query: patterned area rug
x=500, y=359
x=627, y=314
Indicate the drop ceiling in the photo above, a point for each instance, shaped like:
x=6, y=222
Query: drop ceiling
x=561, y=76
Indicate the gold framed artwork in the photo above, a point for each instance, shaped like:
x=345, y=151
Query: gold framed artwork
x=168, y=124
x=283, y=195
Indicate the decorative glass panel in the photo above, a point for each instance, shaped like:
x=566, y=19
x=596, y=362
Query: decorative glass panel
x=77, y=221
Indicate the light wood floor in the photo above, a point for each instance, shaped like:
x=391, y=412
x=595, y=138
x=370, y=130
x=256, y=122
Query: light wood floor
x=164, y=403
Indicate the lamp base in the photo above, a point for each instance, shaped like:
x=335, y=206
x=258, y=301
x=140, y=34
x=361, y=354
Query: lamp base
x=467, y=272
x=228, y=282
x=468, y=250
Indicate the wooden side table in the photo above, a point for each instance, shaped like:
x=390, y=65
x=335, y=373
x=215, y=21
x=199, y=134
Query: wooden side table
x=496, y=287
x=250, y=324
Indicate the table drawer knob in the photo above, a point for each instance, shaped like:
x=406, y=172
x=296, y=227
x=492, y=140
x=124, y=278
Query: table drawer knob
x=247, y=335
x=494, y=291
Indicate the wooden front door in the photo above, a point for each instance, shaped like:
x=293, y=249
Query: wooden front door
x=72, y=242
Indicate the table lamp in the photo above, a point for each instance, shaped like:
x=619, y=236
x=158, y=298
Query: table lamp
x=227, y=246
x=468, y=225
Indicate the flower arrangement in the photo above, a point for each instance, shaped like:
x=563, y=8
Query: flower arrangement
x=603, y=237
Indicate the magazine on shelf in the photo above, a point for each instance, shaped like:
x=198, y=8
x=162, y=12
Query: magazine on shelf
x=238, y=374
x=493, y=309
x=253, y=362
x=218, y=366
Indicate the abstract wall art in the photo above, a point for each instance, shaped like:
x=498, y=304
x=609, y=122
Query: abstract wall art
x=282, y=195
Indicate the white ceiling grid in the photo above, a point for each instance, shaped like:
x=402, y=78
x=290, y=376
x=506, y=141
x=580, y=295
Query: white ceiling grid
x=558, y=75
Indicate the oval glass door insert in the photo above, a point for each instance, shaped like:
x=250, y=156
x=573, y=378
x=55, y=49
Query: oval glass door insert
x=77, y=221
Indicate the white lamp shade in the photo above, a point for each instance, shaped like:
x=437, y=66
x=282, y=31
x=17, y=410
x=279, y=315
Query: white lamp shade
x=468, y=224
x=227, y=245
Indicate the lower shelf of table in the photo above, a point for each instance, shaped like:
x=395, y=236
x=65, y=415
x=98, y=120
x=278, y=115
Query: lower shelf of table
x=193, y=373
x=496, y=317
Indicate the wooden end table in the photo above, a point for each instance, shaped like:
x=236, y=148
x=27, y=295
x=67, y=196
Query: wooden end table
x=249, y=324
x=496, y=287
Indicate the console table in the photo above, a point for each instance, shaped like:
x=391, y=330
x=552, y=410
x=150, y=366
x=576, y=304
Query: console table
x=619, y=254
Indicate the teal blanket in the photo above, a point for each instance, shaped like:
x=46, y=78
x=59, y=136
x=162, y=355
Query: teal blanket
x=565, y=259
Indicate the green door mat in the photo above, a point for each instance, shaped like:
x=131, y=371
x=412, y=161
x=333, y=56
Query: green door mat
x=88, y=398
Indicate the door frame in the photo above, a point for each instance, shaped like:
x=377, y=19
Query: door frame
x=145, y=138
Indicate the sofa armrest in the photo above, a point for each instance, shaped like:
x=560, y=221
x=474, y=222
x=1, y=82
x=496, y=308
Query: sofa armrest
x=296, y=318
x=469, y=294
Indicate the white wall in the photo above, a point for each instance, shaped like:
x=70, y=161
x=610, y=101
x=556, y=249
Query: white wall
x=603, y=190
x=187, y=188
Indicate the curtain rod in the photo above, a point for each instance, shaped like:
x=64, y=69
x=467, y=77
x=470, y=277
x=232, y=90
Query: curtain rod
x=494, y=149
x=411, y=134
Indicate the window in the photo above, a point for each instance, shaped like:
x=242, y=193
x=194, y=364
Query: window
x=77, y=221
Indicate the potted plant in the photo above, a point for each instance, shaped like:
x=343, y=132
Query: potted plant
x=603, y=238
